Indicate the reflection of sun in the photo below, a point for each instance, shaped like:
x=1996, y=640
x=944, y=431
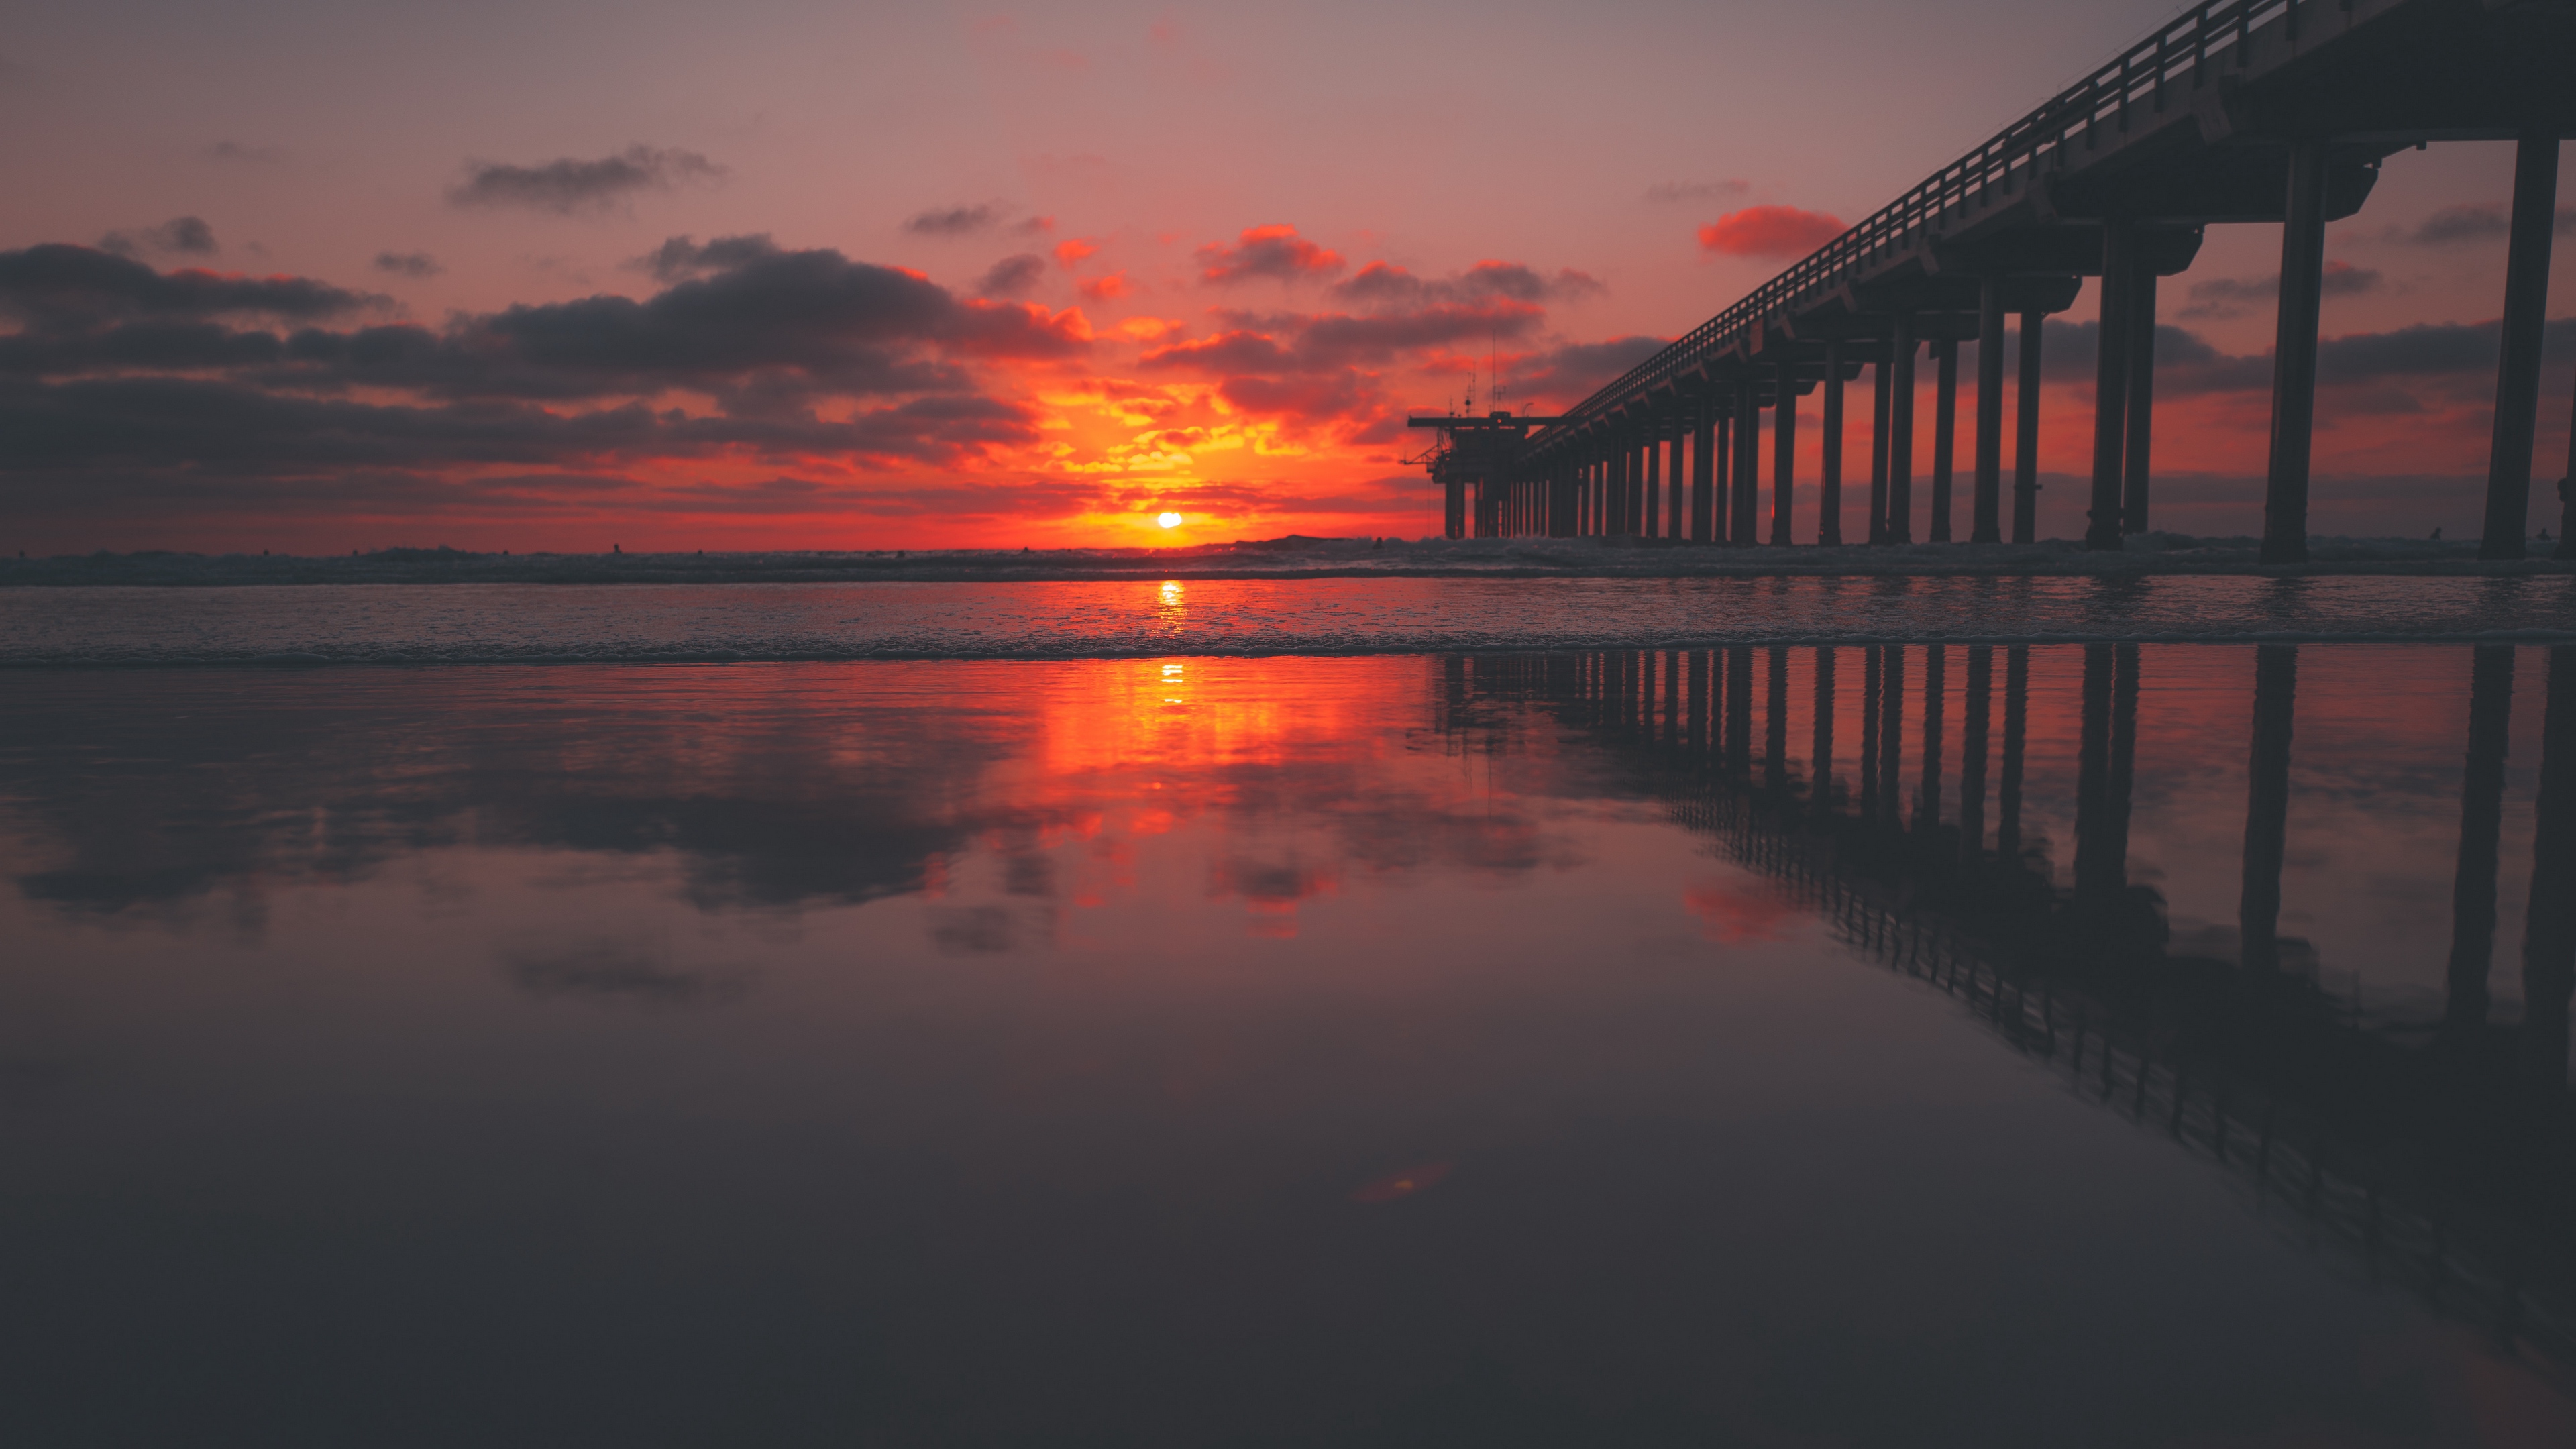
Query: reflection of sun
x=1168, y=520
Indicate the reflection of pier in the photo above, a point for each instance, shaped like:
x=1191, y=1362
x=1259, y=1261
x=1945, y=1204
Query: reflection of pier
x=2439, y=1154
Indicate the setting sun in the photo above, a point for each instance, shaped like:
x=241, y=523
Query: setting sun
x=1168, y=520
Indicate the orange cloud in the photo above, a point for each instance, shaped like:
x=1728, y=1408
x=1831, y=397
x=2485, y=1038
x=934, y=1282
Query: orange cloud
x=1103, y=289
x=1074, y=249
x=1769, y=231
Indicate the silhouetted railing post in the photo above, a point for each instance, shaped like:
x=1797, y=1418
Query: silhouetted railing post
x=2473, y=884
x=2110, y=384
x=1872, y=680
x=1927, y=803
x=2549, y=932
x=2294, y=357
x=2526, y=304
x=1945, y=432
x=1829, y=477
x=1891, y=735
x=1821, y=769
x=1879, y=392
x=2026, y=431
x=2140, y=430
x=2267, y=805
x=2016, y=733
x=1985, y=512
x=1972, y=755
x=1900, y=430
x=1784, y=450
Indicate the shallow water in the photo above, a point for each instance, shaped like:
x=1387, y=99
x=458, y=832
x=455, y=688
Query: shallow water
x=684, y=623
x=1856, y=1045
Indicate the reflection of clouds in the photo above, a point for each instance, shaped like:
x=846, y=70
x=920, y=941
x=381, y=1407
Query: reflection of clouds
x=768, y=790
x=616, y=971
x=1740, y=914
x=972, y=930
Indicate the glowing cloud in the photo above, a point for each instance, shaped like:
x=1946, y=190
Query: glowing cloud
x=1769, y=231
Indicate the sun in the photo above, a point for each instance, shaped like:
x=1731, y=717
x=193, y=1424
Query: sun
x=1168, y=520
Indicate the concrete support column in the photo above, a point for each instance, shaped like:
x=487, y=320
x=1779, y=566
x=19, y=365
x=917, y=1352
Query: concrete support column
x=1453, y=508
x=2110, y=385
x=2294, y=357
x=1650, y=489
x=2034, y=327
x=1722, y=456
x=1784, y=452
x=1945, y=432
x=1985, y=514
x=2267, y=806
x=2526, y=303
x=1829, y=481
x=1635, y=449
x=1900, y=430
x=1878, y=445
x=1674, y=509
x=1748, y=463
x=2140, y=428
x=1702, y=475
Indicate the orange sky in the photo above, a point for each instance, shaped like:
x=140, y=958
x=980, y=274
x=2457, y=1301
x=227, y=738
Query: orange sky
x=1089, y=268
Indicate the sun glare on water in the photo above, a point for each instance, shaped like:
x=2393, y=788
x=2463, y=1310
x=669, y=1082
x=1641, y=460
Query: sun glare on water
x=1168, y=520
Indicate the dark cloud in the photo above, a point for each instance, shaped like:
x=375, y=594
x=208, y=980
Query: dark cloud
x=408, y=264
x=55, y=285
x=950, y=221
x=2220, y=297
x=1382, y=284
x=681, y=257
x=1275, y=252
x=2473, y=221
x=1667, y=193
x=239, y=151
x=566, y=186
x=2186, y=364
x=129, y=373
x=1573, y=372
x=1013, y=276
x=184, y=234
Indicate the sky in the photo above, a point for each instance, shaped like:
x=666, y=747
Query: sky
x=537, y=276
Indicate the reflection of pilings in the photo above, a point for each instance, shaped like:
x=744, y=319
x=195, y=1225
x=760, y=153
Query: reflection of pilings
x=2473, y=884
x=1891, y=728
x=2433, y=1177
x=1927, y=802
x=2016, y=731
x=1821, y=769
x=2549, y=932
x=2102, y=773
x=1739, y=709
x=2267, y=805
x=1775, y=721
x=1672, y=697
x=1872, y=680
x=1972, y=755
